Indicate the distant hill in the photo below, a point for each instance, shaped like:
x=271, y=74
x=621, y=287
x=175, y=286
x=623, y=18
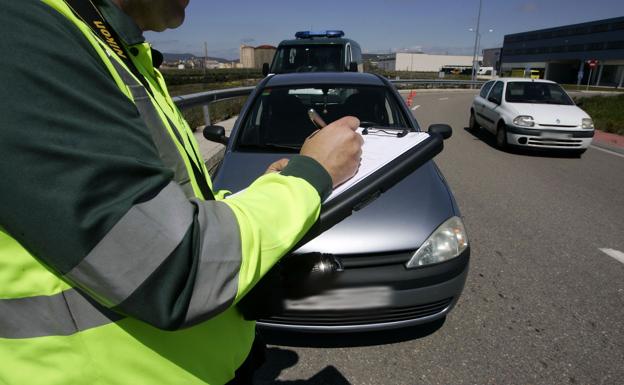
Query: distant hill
x=189, y=56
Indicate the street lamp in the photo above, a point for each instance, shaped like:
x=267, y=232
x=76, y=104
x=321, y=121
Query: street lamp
x=474, y=54
x=475, y=59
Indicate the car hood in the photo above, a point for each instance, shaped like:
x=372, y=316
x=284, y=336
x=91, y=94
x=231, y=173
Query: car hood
x=550, y=113
x=401, y=219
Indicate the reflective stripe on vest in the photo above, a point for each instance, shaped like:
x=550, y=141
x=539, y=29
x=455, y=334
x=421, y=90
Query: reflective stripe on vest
x=62, y=314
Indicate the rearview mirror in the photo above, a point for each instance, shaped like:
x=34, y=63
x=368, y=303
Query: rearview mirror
x=353, y=67
x=216, y=134
x=444, y=130
x=265, y=69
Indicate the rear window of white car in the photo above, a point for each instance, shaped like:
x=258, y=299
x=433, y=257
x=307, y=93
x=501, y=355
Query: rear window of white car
x=536, y=92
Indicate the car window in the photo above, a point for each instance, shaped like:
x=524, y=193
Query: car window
x=536, y=92
x=279, y=116
x=308, y=58
x=497, y=91
x=485, y=89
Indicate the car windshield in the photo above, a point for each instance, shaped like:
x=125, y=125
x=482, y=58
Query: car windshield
x=308, y=58
x=536, y=92
x=279, y=121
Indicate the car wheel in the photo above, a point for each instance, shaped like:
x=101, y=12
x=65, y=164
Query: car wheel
x=472, y=124
x=501, y=136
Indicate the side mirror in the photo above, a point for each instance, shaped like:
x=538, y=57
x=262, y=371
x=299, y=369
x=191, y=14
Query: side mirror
x=353, y=67
x=494, y=100
x=444, y=130
x=265, y=69
x=215, y=134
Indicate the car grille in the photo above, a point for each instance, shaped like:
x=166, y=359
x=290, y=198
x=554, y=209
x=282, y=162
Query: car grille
x=563, y=143
x=559, y=125
x=359, y=317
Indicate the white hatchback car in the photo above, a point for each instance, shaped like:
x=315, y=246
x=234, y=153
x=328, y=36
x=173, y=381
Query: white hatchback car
x=532, y=113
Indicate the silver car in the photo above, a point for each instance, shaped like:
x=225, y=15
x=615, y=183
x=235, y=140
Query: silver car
x=402, y=260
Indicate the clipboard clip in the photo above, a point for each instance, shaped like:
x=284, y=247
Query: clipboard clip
x=384, y=131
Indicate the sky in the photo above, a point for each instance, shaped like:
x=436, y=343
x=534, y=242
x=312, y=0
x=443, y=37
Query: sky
x=378, y=25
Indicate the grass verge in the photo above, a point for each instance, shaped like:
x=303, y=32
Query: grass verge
x=606, y=111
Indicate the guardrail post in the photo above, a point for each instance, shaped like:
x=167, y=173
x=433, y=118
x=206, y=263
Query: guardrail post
x=206, y=115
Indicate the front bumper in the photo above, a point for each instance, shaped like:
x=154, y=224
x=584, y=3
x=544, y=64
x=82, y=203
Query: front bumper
x=364, y=298
x=549, y=138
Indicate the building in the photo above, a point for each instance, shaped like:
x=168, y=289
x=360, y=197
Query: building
x=421, y=62
x=247, y=56
x=263, y=54
x=561, y=53
x=255, y=57
x=491, y=58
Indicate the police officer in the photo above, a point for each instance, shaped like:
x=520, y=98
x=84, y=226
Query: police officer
x=118, y=262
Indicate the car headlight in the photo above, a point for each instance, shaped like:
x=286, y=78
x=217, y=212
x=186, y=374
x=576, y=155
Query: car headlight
x=587, y=123
x=448, y=241
x=524, y=121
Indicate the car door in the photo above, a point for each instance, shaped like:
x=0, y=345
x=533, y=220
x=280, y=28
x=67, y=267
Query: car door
x=479, y=101
x=491, y=107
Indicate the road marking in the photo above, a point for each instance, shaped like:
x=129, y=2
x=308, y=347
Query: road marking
x=415, y=107
x=615, y=254
x=443, y=99
x=607, y=151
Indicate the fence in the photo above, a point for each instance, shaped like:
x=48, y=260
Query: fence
x=205, y=98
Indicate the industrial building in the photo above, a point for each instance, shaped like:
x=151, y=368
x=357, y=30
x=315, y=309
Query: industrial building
x=421, y=62
x=255, y=57
x=561, y=54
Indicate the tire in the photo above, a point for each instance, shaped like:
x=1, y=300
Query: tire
x=501, y=136
x=472, y=124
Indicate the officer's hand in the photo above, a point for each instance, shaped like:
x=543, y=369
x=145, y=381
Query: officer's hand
x=336, y=147
x=277, y=166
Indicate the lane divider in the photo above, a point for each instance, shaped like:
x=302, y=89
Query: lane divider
x=615, y=254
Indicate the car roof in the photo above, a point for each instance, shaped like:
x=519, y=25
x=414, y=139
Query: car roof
x=507, y=80
x=333, y=78
x=317, y=41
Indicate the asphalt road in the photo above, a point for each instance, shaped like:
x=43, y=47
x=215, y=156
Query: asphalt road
x=542, y=304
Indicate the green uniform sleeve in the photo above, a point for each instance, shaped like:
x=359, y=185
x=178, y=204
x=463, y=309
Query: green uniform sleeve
x=85, y=192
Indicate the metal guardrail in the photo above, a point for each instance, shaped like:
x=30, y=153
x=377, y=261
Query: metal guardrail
x=438, y=82
x=205, y=98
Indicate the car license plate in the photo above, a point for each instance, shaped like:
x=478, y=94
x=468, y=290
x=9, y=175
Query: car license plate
x=342, y=299
x=556, y=135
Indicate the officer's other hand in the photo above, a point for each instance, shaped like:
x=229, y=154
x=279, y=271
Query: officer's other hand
x=337, y=148
x=277, y=166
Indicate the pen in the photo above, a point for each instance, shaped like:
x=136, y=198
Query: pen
x=316, y=120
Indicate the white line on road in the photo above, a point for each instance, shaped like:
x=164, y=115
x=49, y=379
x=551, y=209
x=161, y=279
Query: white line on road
x=607, y=151
x=615, y=254
x=443, y=99
x=415, y=107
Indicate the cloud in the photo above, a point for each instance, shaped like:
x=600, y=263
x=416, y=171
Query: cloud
x=528, y=7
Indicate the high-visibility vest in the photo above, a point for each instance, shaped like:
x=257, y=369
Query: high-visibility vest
x=65, y=338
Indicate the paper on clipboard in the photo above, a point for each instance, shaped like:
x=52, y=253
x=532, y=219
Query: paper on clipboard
x=377, y=151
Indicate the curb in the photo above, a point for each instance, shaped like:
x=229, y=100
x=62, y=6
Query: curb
x=609, y=141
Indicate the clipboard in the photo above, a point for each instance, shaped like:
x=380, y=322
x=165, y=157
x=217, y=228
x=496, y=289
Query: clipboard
x=373, y=186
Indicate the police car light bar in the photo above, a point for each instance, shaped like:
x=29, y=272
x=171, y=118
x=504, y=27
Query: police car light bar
x=310, y=34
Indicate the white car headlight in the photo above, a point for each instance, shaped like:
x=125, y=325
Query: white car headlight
x=524, y=121
x=448, y=241
x=587, y=123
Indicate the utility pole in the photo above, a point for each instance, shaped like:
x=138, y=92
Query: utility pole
x=474, y=55
x=205, y=58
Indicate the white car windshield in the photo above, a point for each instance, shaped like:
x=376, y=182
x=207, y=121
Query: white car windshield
x=536, y=92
